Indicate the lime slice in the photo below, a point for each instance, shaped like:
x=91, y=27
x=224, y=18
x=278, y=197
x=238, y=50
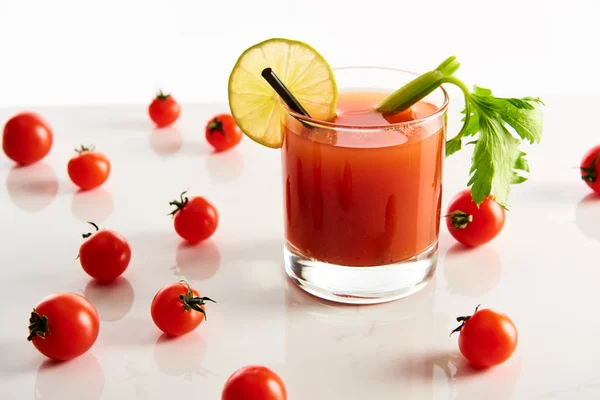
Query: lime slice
x=256, y=107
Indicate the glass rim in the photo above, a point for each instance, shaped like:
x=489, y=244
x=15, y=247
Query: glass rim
x=325, y=124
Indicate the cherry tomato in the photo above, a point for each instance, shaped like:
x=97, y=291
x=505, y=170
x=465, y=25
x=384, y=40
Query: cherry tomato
x=590, y=168
x=472, y=225
x=195, y=219
x=222, y=132
x=402, y=116
x=178, y=309
x=63, y=326
x=27, y=138
x=88, y=169
x=164, y=110
x=254, y=382
x=105, y=254
x=487, y=338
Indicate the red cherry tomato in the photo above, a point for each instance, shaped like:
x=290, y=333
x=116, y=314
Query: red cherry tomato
x=63, y=326
x=402, y=116
x=27, y=138
x=472, y=225
x=195, y=219
x=487, y=338
x=254, y=382
x=88, y=169
x=178, y=309
x=222, y=132
x=164, y=110
x=590, y=169
x=105, y=255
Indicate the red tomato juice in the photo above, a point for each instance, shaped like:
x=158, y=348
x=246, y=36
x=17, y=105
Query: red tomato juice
x=364, y=192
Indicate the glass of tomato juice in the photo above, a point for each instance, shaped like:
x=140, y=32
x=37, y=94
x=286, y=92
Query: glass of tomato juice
x=362, y=193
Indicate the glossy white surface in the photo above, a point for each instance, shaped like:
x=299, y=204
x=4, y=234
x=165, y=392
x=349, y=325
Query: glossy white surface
x=542, y=271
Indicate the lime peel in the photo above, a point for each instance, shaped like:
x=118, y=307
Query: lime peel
x=256, y=107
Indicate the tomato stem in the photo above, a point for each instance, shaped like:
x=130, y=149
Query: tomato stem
x=83, y=148
x=179, y=205
x=216, y=125
x=590, y=174
x=193, y=303
x=38, y=326
x=463, y=320
x=87, y=235
x=162, y=96
x=459, y=219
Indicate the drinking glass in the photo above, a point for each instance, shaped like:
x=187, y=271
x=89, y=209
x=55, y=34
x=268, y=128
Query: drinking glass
x=362, y=202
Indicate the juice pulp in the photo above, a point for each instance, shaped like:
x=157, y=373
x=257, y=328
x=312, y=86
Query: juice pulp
x=363, y=197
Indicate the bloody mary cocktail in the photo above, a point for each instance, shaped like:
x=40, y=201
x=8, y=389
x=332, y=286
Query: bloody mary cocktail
x=362, y=152
x=363, y=203
x=364, y=191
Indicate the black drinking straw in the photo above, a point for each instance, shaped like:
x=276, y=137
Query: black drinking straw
x=283, y=92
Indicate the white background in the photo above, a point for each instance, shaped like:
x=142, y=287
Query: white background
x=120, y=51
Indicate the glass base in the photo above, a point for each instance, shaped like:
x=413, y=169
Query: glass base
x=361, y=285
